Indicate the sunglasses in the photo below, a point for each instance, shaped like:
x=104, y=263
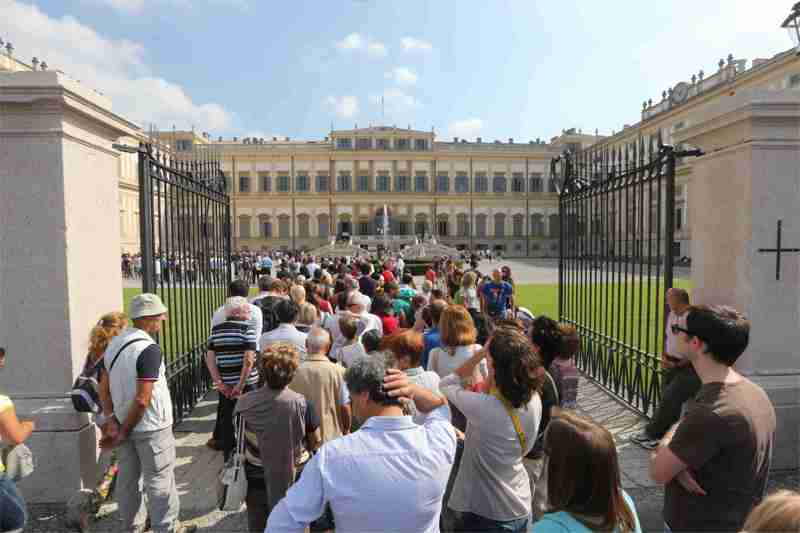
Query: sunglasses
x=677, y=329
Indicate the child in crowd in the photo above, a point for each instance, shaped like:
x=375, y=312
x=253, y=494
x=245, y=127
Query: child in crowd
x=563, y=369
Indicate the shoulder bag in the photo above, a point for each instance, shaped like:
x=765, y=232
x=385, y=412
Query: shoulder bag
x=18, y=461
x=514, y=418
x=232, y=482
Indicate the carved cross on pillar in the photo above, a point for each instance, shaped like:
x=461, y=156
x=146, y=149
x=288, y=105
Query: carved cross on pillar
x=778, y=250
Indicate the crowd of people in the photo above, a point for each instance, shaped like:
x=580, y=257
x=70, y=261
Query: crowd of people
x=369, y=401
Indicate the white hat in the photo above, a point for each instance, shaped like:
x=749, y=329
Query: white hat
x=147, y=304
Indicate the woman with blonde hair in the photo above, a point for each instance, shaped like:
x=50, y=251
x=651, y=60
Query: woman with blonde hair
x=307, y=317
x=467, y=295
x=109, y=326
x=778, y=512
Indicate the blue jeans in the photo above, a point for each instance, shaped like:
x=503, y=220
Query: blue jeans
x=12, y=506
x=470, y=522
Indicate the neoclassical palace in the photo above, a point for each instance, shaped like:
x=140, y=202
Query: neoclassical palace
x=471, y=195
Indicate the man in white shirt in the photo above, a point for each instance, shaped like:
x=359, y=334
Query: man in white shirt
x=312, y=267
x=388, y=476
x=286, y=312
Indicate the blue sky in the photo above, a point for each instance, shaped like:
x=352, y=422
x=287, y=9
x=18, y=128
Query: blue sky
x=491, y=68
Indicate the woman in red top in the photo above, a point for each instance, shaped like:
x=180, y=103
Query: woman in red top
x=382, y=308
x=430, y=274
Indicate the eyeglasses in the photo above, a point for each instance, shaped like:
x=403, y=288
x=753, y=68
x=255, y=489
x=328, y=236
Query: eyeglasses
x=677, y=329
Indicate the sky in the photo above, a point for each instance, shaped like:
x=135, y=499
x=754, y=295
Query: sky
x=497, y=69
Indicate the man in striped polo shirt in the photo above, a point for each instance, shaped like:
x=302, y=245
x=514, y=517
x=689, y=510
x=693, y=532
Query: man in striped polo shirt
x=231, y=361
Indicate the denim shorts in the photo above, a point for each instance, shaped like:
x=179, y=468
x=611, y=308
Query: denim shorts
x=12, y=506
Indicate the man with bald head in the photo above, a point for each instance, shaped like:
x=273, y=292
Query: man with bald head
x=680, y=382
x=322, y=382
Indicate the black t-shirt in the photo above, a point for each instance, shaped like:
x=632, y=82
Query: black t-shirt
x=367, y=286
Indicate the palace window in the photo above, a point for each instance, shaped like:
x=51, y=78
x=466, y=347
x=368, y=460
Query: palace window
x=266, y=181
x=183, y=145
x=383, y=183
x=420, y=144
x=401, y=183
x=552, y=185
x=462, y=183
x=363, y=227
x=244, y=182
x=480, y=226
x=266, y=226
x=363, y=143
x=323, y=221
x=402, y=227
x=442, y=183
x=401, y=144
x=517, y=183
x=536, y=182
x=244, y=227
x=462, y=225
x=363, y=184
x=518, y=223
x=499, y=225
x=481, y=183
x=537, y=225
x=344, y=184
x=227, y=179
x=499, y=183
x=443, y=226
x=678, y=218
x=323, y=185
x=555, y=226
x=302, y=183
x=283, y=183
x=283, y=226
x=382, y=144
x=302, y=225
x=344, y=143
x=420, y=183
x=421, y=226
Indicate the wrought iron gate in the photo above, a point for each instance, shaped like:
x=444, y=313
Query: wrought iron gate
x=616, y=209
x=184, y=224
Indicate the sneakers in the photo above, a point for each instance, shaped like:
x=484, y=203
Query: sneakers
x=183, y=527
x=645, y=441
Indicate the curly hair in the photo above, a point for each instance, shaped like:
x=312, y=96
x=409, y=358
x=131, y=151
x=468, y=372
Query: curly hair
x=278, y=364
x=106, y=329
x=546, y=334
x=515, y=364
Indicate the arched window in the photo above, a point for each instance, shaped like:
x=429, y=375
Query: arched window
x=324, y=225
x=283, y=227
x=480, y=226
x=537, y=225
x=462, y=225
x=265, y=226
x=500, y=225
x=244, y=226
x=302, y=225
x=519, y=222
x=443, y=225
x=421, y=225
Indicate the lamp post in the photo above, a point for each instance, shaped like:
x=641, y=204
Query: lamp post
x=792, y=25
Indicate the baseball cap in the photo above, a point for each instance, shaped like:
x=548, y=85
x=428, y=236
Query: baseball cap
x=147, y=304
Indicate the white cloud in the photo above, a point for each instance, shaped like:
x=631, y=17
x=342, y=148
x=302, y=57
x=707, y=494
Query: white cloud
x=115, y=67
x=412, y=44
x=402, y=76
x=377, y=49
x=397, y=101
x=344, y=107
x=136, y=6
x=356, y=41
x=467, y=128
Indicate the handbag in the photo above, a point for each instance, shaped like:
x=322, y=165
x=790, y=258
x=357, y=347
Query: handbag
x=232, y=482
x=18, y=461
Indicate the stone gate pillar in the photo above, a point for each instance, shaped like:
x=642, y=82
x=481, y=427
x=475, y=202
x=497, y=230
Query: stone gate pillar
x=747, y=182
x=59, y=261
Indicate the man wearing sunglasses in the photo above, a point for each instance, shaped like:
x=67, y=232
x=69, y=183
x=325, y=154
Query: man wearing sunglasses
x=679, y=380
x=715, y=461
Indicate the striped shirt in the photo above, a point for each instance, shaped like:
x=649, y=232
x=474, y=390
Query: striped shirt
x=229, y=341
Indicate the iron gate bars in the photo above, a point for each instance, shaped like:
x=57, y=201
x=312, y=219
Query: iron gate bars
x=184, y=223
x=616, y=208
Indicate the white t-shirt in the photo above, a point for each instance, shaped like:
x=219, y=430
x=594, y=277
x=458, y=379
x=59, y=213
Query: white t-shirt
x=349, y=352
x=444, y=364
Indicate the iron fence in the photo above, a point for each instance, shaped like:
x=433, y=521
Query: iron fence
x=184, y=217
x=616, y=210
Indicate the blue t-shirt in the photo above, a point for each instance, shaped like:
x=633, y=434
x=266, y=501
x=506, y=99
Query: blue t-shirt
x=497, y=296
x=433, y=339
x=266, y=262
x=563, y=522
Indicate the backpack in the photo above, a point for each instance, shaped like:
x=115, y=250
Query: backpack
x=84, y=394
x=268, y=304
